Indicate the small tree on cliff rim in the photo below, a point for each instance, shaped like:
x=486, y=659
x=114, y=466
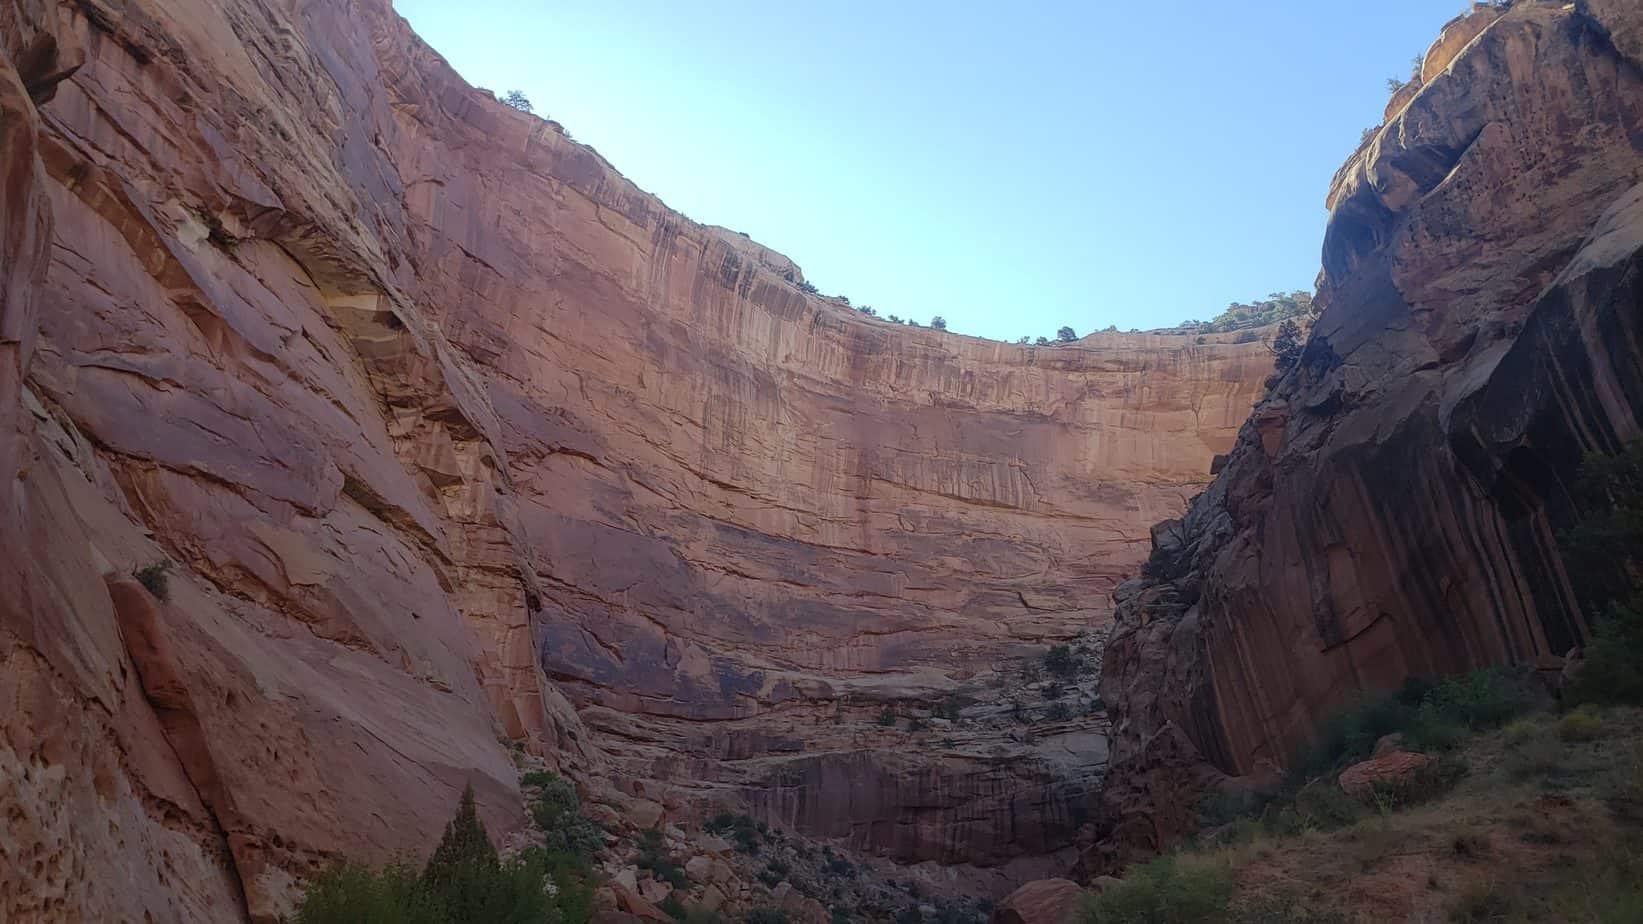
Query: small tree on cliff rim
x=518, y=100
x=1066, y=335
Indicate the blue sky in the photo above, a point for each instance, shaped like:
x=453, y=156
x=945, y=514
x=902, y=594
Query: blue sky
x=1012, y=167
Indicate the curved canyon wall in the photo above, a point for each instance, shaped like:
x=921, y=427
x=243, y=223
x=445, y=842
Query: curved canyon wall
x=456, y=440
x=1391, y=508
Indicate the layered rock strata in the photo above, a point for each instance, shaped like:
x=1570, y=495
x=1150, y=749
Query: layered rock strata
x=1391, y=508
x=456, y=440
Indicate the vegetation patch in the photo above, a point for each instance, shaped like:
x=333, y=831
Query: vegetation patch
x=464, y=881
x=741, y=830
x=557, y=809
x=1603, y=553
x=1169, y=890
x=1432, y=717
x=653, y=856
x=156, y=578
x=1520, y=823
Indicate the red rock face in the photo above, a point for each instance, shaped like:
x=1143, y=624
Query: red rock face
x=1391, y=508
x=454, y=435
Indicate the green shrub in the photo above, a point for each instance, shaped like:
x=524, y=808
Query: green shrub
x=653, y=856
x=352, y=893
x=1432, y=731
x=1350, y=734
x=1580, y=725
x=1058, y=712
x=1163, y=892
x=773, y=873
x=557, y=809
x=1432, y=717
x=461, y=862
x=766, y=916
x=1521, y=731
x=1603, y=554
x=156, y=578
x=742, y=830
x=1287, y=346
x=1609, y=891
x=518, y=100
x=463, y=881
x=1536, y=757
x=1218, y=808
x=953, y=705
x=1276, y=307
x=1323, y=806
x=1604, y=547
x=1612, y=671
x=1061, y=661
x=887, y=716
x=1480, y=700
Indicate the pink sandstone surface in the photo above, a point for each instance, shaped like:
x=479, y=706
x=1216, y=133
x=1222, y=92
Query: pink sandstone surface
x=459, y=442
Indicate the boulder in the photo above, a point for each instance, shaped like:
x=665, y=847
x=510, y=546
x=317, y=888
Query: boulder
x=699, y=868
x=1394, y=768
x=635, y=904
x=1044, y=901
x=654, y=890
x=715, y=845
x=713, y=898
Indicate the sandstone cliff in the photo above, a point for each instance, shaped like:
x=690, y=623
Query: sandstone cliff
x=457, y=441
x=1390, y=509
